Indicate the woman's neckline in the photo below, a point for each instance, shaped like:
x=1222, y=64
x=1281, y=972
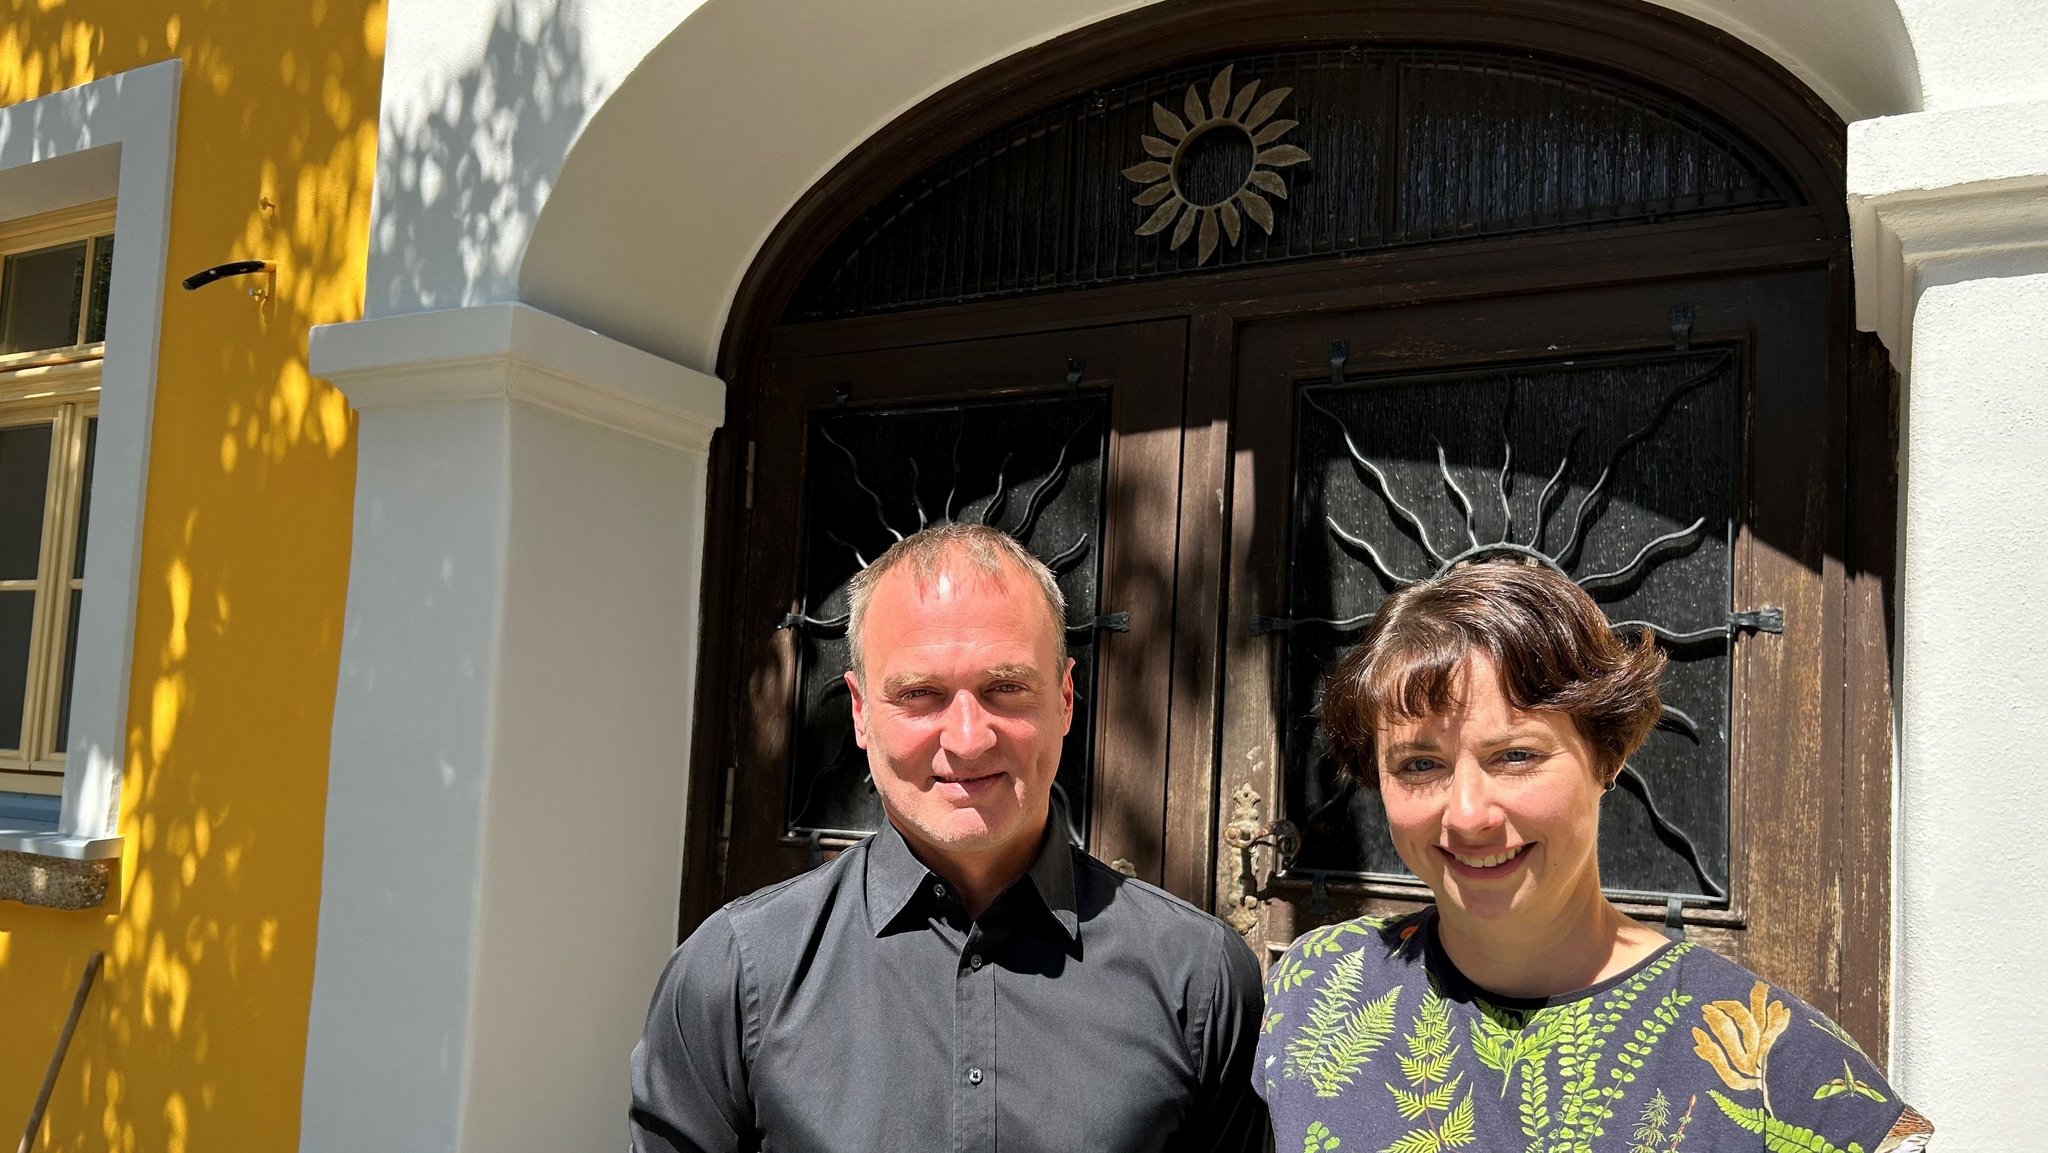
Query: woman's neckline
x=1455, y=985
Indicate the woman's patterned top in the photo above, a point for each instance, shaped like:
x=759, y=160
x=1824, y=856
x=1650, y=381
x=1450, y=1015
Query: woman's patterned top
x=1374, y=1042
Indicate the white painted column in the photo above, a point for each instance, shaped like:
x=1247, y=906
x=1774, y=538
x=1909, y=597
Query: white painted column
x=1951, y=212
x=511, y=730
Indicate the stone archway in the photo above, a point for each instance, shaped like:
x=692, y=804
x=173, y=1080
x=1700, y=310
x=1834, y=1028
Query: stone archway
x=747, y=103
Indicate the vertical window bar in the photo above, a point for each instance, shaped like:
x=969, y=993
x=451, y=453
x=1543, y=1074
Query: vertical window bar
x=85, y=286
x=66, y=594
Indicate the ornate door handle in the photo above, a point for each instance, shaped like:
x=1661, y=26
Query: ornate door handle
x=1244, y=832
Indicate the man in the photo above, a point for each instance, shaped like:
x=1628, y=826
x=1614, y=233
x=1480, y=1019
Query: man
x=964, y=979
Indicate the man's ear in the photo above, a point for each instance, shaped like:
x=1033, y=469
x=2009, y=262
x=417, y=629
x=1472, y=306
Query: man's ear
x=860, y=707
x=1067, y=696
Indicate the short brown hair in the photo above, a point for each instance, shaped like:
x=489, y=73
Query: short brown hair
x=987, y=551
x=1552, y=644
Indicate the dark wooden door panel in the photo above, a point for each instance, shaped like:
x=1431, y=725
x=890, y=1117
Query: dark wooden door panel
x=1719, y=440
x=1069, y=440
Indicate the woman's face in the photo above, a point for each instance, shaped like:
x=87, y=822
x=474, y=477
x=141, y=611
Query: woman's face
x=1496, y=809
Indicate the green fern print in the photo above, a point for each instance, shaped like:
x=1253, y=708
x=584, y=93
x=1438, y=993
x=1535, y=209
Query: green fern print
x=1432, y=1087
x=1318, y=1139
x=1649, y=1134
x=1779, y=1137
x=1287, y=975
x=1340, y=1035
x=1330, y=938
x=1505, y=1041
x=1588, y=1098
x=1375, y=1039
x=1520, y=1047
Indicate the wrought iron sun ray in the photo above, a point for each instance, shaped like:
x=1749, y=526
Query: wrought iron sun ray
x=992, y=513
x=1584, y=517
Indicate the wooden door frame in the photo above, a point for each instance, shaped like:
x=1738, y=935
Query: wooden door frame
x=1650, y=46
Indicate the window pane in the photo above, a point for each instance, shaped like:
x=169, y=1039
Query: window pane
x=63, y=738
x=92, y=435
x=40, y=299
x=17, y=617
x=24, y=476
x=102, y=278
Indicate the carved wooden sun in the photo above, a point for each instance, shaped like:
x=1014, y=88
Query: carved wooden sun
x=1235, y=142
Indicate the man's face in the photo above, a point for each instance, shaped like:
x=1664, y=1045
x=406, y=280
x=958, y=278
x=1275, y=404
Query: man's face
x=962, y=710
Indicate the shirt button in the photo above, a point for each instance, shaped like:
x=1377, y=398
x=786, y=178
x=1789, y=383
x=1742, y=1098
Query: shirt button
x=974, y=1076
x=939, y=891
x=975, y=961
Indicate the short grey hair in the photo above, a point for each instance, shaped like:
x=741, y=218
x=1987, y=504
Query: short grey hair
x=987, y=551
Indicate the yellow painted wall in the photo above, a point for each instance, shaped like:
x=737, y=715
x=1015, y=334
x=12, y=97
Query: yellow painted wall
x=195, y=1039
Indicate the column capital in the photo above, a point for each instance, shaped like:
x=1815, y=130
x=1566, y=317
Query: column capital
x=517, y=352
x=1933, y=193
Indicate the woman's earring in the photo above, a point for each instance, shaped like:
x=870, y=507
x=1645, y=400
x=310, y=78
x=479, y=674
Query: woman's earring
x=1611, y=781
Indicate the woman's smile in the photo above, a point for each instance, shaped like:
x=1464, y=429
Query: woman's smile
x=1481, y=866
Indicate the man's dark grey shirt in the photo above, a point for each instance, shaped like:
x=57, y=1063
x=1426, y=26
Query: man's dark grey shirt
x=857, y=1008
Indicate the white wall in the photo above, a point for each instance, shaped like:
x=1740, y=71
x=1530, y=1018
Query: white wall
x=1950, y=210
x=1975, y=52
x=481, y=102
x=585, y=825
x=1973, y=810
x=408, y=773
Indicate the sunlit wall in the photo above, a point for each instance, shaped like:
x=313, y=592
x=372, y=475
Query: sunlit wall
x=195, y=1036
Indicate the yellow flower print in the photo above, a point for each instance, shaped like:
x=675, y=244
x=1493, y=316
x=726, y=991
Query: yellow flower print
x=1742, y=1036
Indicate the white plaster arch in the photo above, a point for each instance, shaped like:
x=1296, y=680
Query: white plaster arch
x=680, y=175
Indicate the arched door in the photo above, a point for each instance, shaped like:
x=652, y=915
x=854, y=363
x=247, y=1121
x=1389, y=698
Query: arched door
x=1239, y=316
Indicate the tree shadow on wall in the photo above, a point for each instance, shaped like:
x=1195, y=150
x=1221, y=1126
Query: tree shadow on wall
x=463, y=172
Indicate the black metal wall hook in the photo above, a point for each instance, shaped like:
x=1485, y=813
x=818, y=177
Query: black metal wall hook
x=1340, y=351
x=206, y=276
x=261, y=294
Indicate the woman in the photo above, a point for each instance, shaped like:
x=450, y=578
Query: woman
x=1491, y=707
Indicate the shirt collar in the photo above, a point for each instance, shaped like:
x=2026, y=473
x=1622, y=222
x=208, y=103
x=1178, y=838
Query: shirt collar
x=1052, y=876
x=895, y=878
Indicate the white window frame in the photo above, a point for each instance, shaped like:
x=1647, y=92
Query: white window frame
x=111, y=139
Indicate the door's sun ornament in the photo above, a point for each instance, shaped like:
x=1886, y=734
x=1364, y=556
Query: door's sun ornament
x=1214, y=168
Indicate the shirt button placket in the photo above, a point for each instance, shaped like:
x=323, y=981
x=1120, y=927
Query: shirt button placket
x=974, y=1093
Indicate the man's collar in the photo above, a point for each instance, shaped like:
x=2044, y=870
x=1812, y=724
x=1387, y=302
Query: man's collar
x=1052, y=875
x=895, y=876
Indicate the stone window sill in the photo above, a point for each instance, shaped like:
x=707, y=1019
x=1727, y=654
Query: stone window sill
x=56, y=871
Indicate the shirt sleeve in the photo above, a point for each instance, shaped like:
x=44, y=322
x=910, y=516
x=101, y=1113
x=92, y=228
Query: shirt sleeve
x=1819, y=1082
x=1228, y=1116
x=690, y=1091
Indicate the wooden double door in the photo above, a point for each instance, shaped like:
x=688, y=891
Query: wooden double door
x=1228, y=488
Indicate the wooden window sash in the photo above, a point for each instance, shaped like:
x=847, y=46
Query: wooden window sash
x=92, y=223
x=35, y=767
